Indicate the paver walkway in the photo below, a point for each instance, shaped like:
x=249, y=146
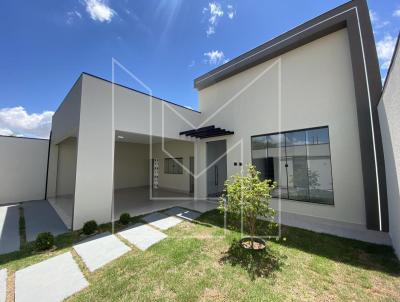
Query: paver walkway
x=183, y=213
x=99, y=250
x=9, y=230
x=142, y=235
x=3, y=285
x=161, y=221
x=54, y=279
x=57, y=278
x=41, y=217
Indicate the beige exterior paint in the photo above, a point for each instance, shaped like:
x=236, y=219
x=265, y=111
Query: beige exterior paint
x=66, y=170
x=176, y=149
x=23, y=169
x=87, y=113
x=389, y=116
x=316, y=90
x=136, y=113
x=131, y=166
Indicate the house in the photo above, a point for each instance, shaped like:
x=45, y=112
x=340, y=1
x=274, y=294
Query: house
x=389, y=116
x=302, y=107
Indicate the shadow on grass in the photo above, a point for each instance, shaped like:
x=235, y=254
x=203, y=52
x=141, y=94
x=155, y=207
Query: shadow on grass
x=257, y=263
x=356, y=253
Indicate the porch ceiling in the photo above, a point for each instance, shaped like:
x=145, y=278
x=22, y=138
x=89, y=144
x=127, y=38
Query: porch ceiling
x=130, y=137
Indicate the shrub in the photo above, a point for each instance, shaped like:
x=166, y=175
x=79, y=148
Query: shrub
x=44, y=241
x=125, y=218
x=90, y=227
x=249, y=196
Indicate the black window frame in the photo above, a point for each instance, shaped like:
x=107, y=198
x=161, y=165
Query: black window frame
x=171, y=167
x=284, y=147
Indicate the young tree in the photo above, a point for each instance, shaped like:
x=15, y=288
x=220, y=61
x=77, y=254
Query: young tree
x=249, y=196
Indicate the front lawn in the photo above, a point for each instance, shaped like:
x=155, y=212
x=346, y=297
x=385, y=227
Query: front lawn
x=198, y=263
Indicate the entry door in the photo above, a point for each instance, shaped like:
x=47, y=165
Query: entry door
x=216, y=171
x=191, y=180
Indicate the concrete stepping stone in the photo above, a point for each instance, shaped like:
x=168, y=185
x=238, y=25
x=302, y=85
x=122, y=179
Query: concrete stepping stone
x=101, y=249
x=183, y=213
x=3, y=285
x=41, y=217
x=52, y=280
x=143, y=236
x=161, y=221
x=9, y=229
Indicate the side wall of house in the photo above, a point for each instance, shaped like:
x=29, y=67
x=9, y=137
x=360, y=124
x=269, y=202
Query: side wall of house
x=66, y=169
x=131, y=166
x=389, y=116
x=23, y=169
x=95, y=154
x=65, y=124
x=174, y=149
x=311, y=86
x=139, y=113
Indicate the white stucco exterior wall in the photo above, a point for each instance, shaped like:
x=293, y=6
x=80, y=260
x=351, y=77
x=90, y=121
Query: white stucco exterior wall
x=177, y=149
x=316, y=90
x=66, y=170
x=23, y=169
x=389, y=119
x=95, y=155
x=65, y=124
x=131, y=166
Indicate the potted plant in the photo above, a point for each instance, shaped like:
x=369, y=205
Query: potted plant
x=249, y=196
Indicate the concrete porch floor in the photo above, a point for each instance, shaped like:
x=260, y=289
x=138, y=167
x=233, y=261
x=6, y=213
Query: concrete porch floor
x=137, y=201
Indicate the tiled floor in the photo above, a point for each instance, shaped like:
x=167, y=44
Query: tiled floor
x=41, y=217
x=183, y=213
x=9, y=231
x=138, y=201
x=161, y=221
x=3, y=285
x=142, y=235
x=99, y=250
x=54, y=279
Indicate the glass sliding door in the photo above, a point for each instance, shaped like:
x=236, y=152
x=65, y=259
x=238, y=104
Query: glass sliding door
x=299, y=161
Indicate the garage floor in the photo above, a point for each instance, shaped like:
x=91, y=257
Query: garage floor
x=136, y=201
x=9, y=232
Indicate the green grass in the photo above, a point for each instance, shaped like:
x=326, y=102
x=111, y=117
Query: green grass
x=197, y=262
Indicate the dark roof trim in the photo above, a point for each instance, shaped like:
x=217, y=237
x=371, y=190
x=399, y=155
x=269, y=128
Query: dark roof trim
x=294, y=38
x=396, y=50
x=141, y=92
x=206, y=132
x=24, y=137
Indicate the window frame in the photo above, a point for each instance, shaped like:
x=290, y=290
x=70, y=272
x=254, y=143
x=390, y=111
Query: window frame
x=173, y=169
x=285, y=155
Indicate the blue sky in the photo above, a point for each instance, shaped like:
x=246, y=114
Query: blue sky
x=45, y=45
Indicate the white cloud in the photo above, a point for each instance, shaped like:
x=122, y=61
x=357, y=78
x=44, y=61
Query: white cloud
x=99, y=10
x=231, y=11
x=216, y=12
x=72, y=16
x=214, y=57
x=377, y=23
x=6, y=131
x=17, y=121
x=396, y=13
x=373, y=16
x=385, y=48
x=192, y=63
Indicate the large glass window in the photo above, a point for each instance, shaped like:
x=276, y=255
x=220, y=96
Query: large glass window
x=299, y=161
